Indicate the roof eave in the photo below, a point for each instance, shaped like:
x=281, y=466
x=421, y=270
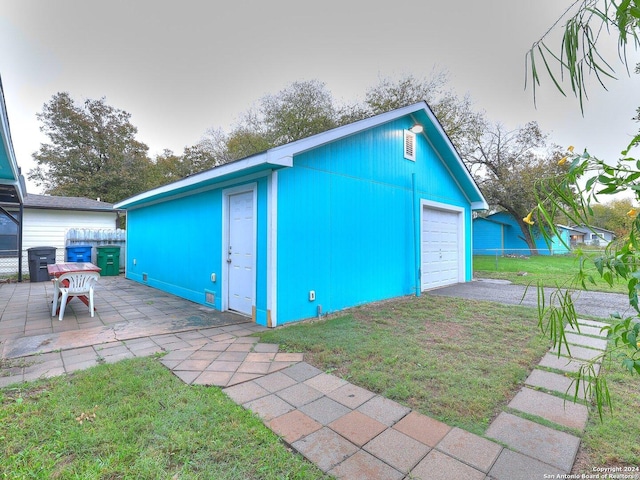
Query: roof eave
x=282, y=157
x=5, y=133
x=257, y=162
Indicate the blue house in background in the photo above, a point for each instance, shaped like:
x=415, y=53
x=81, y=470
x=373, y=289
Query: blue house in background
x=368, y=211
x=500, y=234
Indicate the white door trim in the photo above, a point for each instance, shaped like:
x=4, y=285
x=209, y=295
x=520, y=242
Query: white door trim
x=462, y=263
x=272, y=250
x=226, y=194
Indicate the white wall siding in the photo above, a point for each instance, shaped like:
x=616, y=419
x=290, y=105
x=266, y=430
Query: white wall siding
x=48, y=228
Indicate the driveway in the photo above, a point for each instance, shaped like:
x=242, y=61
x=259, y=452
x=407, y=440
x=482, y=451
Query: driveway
x=596, y=304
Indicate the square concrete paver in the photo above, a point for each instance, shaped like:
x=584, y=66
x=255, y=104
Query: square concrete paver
x=239, y=377
x=239, y=347
x=397, y=449
x=325, y=383
x=476, y=451
x=266, y=348
x=350, y=395
x=293, y=426
x=357, y=427
x=550, y=407
x=186, y=376
x=325, y=410
x=275, y=381
x=246, y=392
x=260, y=357
x=223, y=366
x=325, y=448
x=254, y=367
x=585, y=330
x=219, y=379
x=584, y=341
x=289, y=357
x=551, y=360
x=438, y=466
x=277, y=366
x=512, y=465
x=422, y=428
x=191, y=364
x=384, y=410
x=580, y=353
x=269, y=407
x=550, y=381
x=299, y=394
x=591, y=323
x=550, y=446
x=301, y=371
x=228, y=356
x=362, y=465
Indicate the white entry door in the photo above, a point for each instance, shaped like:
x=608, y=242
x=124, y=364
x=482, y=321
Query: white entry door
x=241, y=257
x=440, y=248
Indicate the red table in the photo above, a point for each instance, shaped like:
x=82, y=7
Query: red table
x=58, y=269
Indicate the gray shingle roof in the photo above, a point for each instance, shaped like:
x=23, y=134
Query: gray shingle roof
x=65, y=203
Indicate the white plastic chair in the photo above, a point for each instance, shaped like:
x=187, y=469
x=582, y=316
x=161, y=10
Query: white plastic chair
x=74, y=284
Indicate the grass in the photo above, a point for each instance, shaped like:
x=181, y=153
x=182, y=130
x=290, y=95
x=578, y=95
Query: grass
x=459, y=361
x=615, y=440
x=134, y=419
x=456, y=360
x=551, y=271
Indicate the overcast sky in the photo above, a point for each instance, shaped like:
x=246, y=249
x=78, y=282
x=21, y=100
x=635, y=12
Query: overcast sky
x=182, y=67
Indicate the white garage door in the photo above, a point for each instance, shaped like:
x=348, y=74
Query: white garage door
x=441, y=258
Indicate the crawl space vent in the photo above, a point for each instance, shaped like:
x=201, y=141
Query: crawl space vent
x=409, y=145
x=209, y=297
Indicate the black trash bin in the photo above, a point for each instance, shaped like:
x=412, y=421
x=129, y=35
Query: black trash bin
x=108, y=259
x=79, y=253
x=39, y=258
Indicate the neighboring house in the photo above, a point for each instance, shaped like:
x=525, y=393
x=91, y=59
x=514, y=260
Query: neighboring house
x=501, y=234
x=12, y=192
x=48, y=218
x=363, y=212
x=596, y=236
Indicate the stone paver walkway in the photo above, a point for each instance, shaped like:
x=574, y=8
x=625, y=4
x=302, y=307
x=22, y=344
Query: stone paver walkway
x=349, y=432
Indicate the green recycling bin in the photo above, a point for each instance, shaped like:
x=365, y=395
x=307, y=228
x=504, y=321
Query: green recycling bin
x=108, y=258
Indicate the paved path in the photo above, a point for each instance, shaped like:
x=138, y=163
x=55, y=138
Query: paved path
x=596, y=304
x=349, y=432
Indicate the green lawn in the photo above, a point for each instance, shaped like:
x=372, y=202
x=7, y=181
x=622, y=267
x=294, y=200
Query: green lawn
x=615, y=440
x=456, y=360
x=552, y=271
x=135, y=419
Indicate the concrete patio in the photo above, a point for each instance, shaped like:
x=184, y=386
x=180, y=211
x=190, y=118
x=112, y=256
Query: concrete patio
x=347, y=431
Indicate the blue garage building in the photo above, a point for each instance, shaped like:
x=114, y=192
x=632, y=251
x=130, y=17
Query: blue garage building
x=368, y=211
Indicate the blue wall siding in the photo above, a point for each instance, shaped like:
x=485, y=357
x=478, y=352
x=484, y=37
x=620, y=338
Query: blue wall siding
x=345, y=221
x=487, y=238
x=178, y=244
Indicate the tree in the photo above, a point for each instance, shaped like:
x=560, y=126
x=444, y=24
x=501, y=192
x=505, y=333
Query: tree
x=305, y=108
x=457, y=116
x=167, y=168
x=92, y=151
x=593, y=178
x=613, y=216
x=507, y=166
x=300, y=110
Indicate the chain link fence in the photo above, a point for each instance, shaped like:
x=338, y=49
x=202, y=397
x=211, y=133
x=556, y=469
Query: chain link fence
x=9, y=262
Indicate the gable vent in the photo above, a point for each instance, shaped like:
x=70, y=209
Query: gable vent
x=409, y=145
